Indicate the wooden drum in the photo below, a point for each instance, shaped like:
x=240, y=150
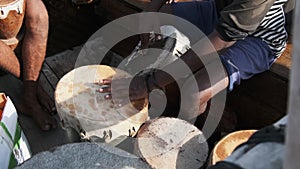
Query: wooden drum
x=11, y=19
x=227, y=145
x=83, y=108
x=171, y=143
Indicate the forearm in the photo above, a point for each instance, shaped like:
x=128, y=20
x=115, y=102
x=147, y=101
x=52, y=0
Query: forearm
x=195, y=59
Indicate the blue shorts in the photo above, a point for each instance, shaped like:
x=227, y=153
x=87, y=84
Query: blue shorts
x=242, y=60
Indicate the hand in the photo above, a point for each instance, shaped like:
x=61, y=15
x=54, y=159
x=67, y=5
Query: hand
x=121, y=89
x=150, y=26
x=149, y=39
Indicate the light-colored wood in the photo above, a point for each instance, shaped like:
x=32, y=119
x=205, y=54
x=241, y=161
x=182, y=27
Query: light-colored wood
x=171, y=143
x=81, y=107
x=293, y=138
x=227, y=145
x=282, y=66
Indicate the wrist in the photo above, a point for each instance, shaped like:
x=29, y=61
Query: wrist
x=151, y=82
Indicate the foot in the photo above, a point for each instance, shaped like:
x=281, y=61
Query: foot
x=45, y=101
x=31, y=106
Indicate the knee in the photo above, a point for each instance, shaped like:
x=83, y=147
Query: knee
x=195, y=104
x=37, y=20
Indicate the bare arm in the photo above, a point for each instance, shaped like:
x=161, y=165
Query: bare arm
x=191, y=58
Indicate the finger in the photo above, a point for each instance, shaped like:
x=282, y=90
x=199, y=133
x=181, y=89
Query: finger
x=45, y=101
x=105, y=90
x=105, y=81
x=48, y=124
x=158, y=37
x=107, y=96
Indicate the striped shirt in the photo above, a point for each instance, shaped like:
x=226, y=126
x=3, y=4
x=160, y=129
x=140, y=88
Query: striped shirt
x=264, y=19
x=272, y=28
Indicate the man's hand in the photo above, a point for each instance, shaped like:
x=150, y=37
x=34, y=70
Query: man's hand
x=120, y=90
x=145, y=38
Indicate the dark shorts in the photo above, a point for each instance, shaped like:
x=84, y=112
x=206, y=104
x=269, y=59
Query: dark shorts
x=242, y=60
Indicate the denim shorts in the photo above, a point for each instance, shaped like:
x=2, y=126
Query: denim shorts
x=242, y=60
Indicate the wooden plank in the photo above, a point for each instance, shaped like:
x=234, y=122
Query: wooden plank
x=293, y=138
x=55, y=67
x=251, y=113
x=48, y=80
x=283, y=65
x=63, y=62
x=259, y=101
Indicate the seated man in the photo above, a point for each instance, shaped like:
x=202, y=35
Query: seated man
x=35, y=102
x=249, y=35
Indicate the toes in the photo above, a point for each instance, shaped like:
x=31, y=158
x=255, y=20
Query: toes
x=45, y=101
x=48, y=124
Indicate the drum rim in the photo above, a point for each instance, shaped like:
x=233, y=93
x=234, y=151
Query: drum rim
x=58, y=98
x=214, y=151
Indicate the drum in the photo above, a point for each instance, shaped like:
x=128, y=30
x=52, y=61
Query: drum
x=85, y=155
x=227, y=145
x=173, y=45
x=82, y=107
x=171, y=143
x=248, y=149
x=11, y=19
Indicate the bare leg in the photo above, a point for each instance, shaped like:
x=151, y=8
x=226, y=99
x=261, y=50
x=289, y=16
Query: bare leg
x=9, y=61
x=33, y=55
x=205, y=93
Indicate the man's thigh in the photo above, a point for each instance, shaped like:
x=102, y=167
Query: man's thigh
x=246, y=58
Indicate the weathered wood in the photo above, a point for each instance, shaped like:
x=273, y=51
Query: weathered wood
x=228, y=144
x=259, y=101
x=264, y=155
x=282, y=66
x=55, y=67
x=293, y=138
x=170, y=143
x=64, y=62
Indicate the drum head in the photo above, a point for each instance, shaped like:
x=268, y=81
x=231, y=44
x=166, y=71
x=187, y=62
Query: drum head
x=82, y=107
x=85, y=155
x=171, y=143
